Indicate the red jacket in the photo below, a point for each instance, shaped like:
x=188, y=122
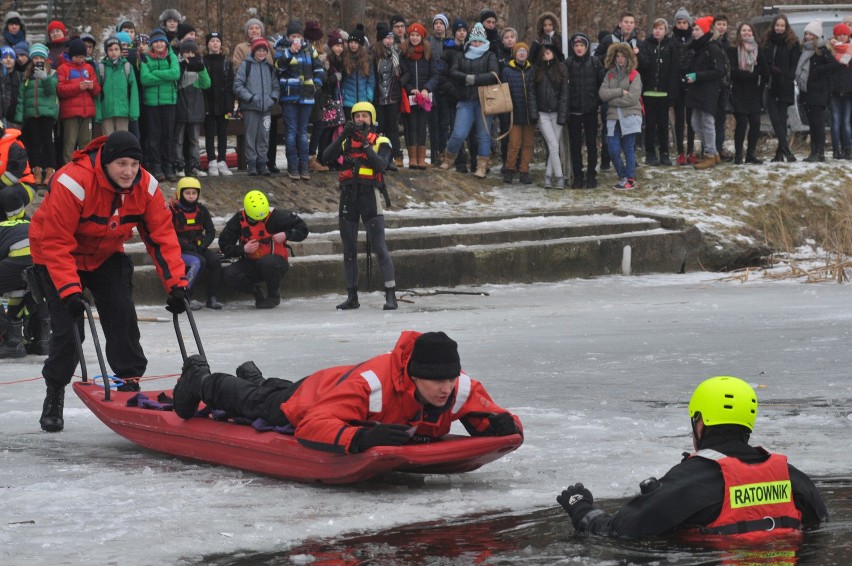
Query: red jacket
x=380, y=389
x=73, y=102
x=77, y=228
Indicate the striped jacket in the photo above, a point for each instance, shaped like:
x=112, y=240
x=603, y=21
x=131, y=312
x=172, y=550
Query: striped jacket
x=300, y=75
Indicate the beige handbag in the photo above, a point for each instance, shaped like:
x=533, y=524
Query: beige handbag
x=496, y=99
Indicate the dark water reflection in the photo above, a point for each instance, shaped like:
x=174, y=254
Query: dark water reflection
x=546, y=537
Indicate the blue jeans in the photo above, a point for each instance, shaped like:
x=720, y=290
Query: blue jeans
x=628, y=143
x=841, y=112
x=296, y=118
x=469, y=115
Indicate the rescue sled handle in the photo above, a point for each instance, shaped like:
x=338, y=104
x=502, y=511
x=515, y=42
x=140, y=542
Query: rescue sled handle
x=93, y=331
x=192, y=325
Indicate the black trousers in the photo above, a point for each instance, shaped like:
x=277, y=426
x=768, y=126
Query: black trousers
x=387, y=115
x=245, y=273
x=215, y=137
x=111, y=285
x=657, y=124
x=210, y=263
x=816, y=121
x=777, y=111
x=247, y=398
x=751, y=122
x=160, y=152
x=11, y=269
x=683, y=120
x=580, y=127
x=37, y=137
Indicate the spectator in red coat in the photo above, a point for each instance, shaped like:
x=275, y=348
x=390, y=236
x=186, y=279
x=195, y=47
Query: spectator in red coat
x=77, y=89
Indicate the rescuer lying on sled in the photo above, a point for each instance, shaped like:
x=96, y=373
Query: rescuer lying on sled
x=411, y=393
x=724, y=488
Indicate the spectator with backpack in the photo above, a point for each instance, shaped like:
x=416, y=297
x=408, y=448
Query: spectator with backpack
x=118, y=102
x=257, y=88
x=621, y=90
x=160, y=72
x=218, y=104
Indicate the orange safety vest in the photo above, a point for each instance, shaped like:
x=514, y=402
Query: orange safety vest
x=10, y=136
x=186, y=225
x=758, y=504
x=356, y=151
x=257, y=231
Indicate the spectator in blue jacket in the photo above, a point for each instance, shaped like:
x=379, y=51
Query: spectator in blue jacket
x=358, y=82
x=300, y=75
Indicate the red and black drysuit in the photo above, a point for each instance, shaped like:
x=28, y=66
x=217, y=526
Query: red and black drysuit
x=195, y=231
x=269, y=262
x=326, y=407
x=77, y=241
x=690, y=500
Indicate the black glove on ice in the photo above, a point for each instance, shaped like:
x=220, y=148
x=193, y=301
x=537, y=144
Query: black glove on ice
x=176, y=303
x=503, y=424
x=577, y=502
x=75, y=305
x=382, y=435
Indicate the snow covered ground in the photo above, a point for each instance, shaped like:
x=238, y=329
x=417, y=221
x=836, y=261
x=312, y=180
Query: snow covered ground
x=600, y=372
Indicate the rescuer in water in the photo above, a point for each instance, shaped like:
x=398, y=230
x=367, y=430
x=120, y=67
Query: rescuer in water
x=725, y=488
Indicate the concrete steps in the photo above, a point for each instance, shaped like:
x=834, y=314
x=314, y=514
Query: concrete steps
x=440, y=251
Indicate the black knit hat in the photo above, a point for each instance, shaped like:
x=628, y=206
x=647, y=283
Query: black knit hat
x=76, y=47
x=295, y=26
x=382, y=31
x=358, y=35
x=435, y=356
x=120, y=144
x=458, y=24
x=487, y=13
x=212, y=35
x=396, y=18
x=183, y=29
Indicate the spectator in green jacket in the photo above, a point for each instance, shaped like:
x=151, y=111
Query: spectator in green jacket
x=118, y=103
x=38, y=109
x=160, y=73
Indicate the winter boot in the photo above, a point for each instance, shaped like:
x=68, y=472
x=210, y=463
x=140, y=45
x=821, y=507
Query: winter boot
x=592, y=180
x=560, y=183
x=262, y=169
x=665, y=160
x=212, y=303
x=351, y=301
x=779, y=156
x=412, y=157
x=248, y=371
x=449, y=159
x=390, y=299
x=752, y=159
x=195, y=305
x=259, y=295
x=224, y=170
x=791, y=157
x=706, y=163
x=251, y=166
x=48, y=173
x=524, y=178
x=421, y=157
x=314, y=165
x=482, y=164
x=548, y=182
x=13, y=347
x=738, y=157
x=38, y=175
x=813, y=157
x=508, y=176
x=130, y=384
x=579, y=181
x=187, y=391
x=269, y=302
x=51, y=413
x=651, y=158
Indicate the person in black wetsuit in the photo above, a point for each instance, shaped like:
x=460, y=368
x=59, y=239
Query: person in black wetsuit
x=725, y=487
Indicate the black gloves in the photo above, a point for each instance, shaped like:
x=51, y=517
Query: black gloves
x=75, y=304
x=503, y=424
x=577, y=502
x=382, y=435
x=176, y=303
x=349, y=128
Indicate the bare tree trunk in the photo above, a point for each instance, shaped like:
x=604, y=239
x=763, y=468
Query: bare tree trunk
x=352, y=12
x=157, y=8
x=651, y=14
x=519, y=19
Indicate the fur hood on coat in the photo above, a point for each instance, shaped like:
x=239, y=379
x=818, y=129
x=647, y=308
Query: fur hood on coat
x=609, y=61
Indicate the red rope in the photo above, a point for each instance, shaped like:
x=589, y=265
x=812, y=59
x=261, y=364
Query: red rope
x=39, y=378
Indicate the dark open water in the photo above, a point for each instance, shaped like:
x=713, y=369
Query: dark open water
x=546, y=537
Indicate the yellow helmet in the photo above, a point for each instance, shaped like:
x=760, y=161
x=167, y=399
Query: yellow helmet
x=188, y=183
x=724, y=400
x=365, y=107
x=256, y=205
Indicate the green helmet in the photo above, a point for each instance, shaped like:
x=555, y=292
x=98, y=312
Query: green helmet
x=256, y=205
x=724, y=400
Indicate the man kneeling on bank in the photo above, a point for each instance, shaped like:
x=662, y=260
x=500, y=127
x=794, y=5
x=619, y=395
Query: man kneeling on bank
x=415, y=391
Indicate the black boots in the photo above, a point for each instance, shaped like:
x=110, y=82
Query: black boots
x=351, y=301
x=51, y=413
x=779, y=156
x=13, y=347
x=390, y=299
x=212, y=303
x=187, y=391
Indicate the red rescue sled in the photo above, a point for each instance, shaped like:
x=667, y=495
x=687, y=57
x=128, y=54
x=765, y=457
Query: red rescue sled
x=280, y=455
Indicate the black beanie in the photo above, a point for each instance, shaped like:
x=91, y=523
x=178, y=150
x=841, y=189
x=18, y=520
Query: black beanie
x=76, y=47
x=120, y=144
x=435, y=356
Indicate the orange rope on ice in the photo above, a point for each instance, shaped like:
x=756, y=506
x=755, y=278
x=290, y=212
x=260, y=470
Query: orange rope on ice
x=39, y=378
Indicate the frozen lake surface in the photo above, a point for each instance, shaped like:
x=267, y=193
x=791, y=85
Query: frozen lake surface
x=600, y=372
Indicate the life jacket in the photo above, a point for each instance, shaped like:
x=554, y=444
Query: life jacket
x=9, y=138
x=186, y=224
x=758, y=504
x=257, y=231
x=355, y=153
